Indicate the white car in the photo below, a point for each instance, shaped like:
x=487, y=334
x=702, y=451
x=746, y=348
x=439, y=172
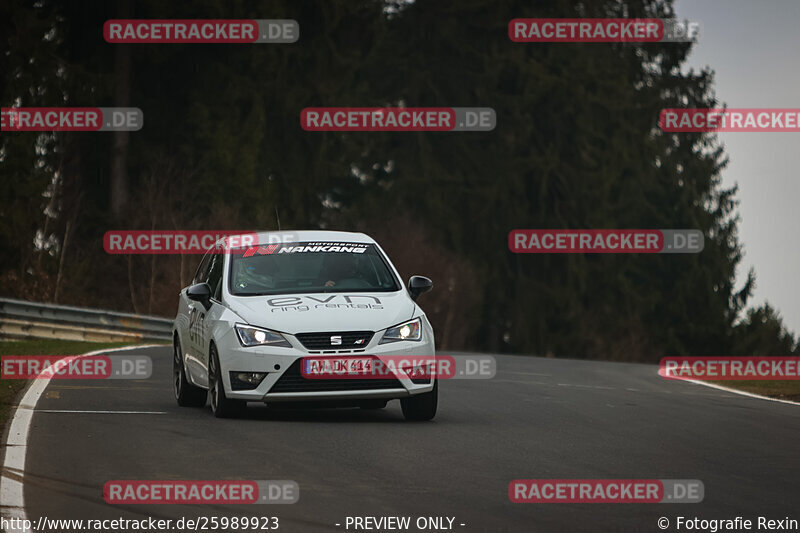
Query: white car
x=254, y=315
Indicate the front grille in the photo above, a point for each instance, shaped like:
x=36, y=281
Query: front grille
x=293, y=381
x=350, y=340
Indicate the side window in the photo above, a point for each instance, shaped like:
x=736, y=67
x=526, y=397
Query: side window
x=202, y=271
x=214, y=279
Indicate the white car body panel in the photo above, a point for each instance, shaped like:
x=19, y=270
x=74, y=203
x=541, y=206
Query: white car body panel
x=337, y=311
x=293, y=314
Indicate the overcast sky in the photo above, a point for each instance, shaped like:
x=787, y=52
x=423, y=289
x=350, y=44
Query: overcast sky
x=753, y=47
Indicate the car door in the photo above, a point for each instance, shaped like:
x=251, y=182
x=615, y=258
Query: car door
x=206, y=319
x=191, y=339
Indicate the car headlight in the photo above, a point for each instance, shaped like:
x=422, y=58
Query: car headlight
x=250, y=336
x=410, y=331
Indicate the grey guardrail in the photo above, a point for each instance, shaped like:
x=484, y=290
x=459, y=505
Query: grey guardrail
x=19, y=318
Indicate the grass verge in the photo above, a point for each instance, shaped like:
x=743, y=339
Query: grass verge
x=782, y=390
x=10, y=388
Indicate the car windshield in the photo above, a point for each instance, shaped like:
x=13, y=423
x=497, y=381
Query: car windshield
x=304, y=267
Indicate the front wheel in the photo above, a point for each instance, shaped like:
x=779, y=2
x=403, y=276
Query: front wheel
x=187, y=394
x=422, y=406
x=221, y=405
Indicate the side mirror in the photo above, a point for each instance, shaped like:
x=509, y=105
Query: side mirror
x=417, y=285
x=200, y=292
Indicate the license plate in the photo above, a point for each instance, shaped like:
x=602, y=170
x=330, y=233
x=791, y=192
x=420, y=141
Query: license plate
x=332, y=367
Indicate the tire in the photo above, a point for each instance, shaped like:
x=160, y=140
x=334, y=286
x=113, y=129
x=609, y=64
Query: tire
x=422, y=406
x=187, y=394
x=221, y=405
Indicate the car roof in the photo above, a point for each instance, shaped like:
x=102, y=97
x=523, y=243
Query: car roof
x=267, y=237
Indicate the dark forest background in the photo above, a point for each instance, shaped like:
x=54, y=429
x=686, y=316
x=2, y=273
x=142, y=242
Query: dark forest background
x=576, y=146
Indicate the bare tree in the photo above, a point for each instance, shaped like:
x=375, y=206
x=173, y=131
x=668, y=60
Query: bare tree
x=119, y=156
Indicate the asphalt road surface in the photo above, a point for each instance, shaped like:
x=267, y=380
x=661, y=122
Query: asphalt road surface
x=538, y=418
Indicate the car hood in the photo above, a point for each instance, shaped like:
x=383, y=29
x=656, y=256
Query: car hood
x=317, y=312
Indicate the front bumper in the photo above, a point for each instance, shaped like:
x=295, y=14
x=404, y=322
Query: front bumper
x=284, y=382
